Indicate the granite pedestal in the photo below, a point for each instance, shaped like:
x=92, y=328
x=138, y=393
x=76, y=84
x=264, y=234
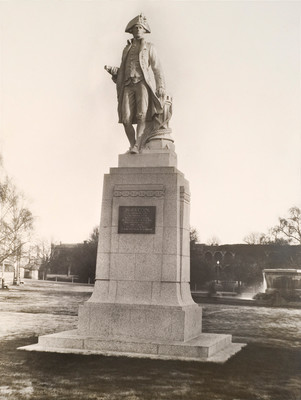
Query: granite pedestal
x=141, y=305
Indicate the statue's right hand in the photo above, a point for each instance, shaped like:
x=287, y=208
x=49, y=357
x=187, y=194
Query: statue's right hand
x=111, y=70
x=160, y=92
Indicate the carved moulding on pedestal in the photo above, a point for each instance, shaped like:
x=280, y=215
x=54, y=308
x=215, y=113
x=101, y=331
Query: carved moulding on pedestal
x=143, y=191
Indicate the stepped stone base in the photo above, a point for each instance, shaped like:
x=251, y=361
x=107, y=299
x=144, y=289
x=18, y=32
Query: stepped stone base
x=139, y=321
x=206, y=347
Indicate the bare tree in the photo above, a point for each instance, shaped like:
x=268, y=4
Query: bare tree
x=16, y=221
x=288, y=229
x=94, y=235
x=194, y=235
x=213, y=241
x=252, y=238
x=38, y=251
x=257, y=238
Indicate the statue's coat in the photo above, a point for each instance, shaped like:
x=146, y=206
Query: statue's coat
x=152, y=73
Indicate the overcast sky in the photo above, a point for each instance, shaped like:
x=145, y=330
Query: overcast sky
x=233, y=69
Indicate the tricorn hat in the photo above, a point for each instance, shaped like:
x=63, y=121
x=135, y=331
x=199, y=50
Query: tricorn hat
x=141, y=20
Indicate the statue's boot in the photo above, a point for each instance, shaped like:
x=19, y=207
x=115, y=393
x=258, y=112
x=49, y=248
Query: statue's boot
x=134, y=149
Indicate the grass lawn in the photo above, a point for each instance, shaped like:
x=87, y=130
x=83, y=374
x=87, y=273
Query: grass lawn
x=269, y=368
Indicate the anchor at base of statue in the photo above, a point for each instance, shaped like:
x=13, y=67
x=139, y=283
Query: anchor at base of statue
x=157, y=135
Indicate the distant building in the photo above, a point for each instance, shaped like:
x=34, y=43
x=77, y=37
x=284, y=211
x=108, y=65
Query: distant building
x=71, y=262
x=9, y=273
x=62, y=256
x=32, y=271
x=240, y=262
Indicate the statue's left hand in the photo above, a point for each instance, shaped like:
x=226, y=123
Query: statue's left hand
x=160, y=92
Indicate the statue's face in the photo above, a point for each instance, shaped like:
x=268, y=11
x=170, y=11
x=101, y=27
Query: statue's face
x=138, y=31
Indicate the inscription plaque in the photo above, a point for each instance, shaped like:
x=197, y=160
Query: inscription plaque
x=137, y=219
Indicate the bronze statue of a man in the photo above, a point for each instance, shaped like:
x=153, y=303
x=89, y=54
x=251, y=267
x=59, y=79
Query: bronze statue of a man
x=140, y=83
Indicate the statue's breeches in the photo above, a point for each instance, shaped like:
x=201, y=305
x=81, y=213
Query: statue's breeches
x=135, y=103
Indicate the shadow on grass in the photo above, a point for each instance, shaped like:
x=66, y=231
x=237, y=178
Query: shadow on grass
x=256, y=373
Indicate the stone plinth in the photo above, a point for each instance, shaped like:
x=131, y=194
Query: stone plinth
x=149, y=158
x=141, y=304
x=206, y=347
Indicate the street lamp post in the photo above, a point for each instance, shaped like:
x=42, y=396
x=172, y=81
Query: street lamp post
x=217, y=270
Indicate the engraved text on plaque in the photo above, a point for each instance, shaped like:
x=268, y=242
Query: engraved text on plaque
x=137, y=219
